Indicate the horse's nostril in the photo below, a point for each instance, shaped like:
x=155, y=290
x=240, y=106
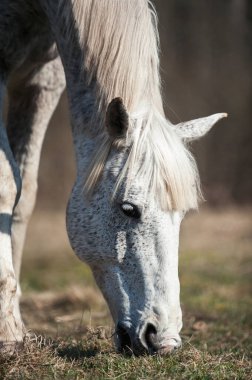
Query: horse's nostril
x=123, y=338
x=151, y=337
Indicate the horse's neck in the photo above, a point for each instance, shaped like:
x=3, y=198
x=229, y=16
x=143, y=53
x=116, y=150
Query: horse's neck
x=81, y=96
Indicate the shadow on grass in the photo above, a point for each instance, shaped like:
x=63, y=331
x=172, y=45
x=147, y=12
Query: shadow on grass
x=69, y=350
x=76, y=352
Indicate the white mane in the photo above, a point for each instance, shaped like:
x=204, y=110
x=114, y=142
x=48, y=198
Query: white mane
x=120, y=43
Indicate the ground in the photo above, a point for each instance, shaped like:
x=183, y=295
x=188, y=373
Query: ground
x=74, y=332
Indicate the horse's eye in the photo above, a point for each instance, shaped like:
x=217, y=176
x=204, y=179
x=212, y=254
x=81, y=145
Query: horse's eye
x=130, y=210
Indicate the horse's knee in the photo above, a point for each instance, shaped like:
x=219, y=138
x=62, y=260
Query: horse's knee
x=27, y=200
x=10, y=183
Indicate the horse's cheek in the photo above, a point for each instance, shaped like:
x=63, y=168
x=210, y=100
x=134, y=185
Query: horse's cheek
x=89, y=233
x=81, y=237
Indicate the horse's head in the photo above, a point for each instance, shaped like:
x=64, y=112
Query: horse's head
x=129, y=234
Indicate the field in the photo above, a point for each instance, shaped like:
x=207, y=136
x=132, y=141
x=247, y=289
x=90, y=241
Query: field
x=73, y=340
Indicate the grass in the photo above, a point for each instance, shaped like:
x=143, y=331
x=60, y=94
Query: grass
x=74, y=331
x=93, y=357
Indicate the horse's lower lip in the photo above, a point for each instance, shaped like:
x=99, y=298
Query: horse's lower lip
x=166, y=350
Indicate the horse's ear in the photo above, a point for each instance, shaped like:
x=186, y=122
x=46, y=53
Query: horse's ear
x=194, y=129
x=117, y=119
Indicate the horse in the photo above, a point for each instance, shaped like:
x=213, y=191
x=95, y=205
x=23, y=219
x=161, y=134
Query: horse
x=136, y=178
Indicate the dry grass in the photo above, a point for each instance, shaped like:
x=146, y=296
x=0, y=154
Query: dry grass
x=93, y=358
x=62, y=304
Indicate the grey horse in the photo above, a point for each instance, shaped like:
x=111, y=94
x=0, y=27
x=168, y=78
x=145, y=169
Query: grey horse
x=135, y=177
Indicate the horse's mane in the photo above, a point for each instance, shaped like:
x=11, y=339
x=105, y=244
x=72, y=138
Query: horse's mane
x=120, y=43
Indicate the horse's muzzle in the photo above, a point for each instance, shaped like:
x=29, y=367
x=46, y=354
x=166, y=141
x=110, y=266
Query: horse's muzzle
x=146, y=342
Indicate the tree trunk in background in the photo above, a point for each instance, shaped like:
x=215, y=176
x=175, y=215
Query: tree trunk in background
x=242, y=189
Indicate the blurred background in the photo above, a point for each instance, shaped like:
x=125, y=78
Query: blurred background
x=206, y=65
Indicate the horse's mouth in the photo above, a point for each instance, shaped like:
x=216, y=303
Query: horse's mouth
x=143, y=346
x=123, y=340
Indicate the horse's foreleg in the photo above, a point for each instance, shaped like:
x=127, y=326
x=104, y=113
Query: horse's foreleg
x=11, y=329
x=32, y=102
